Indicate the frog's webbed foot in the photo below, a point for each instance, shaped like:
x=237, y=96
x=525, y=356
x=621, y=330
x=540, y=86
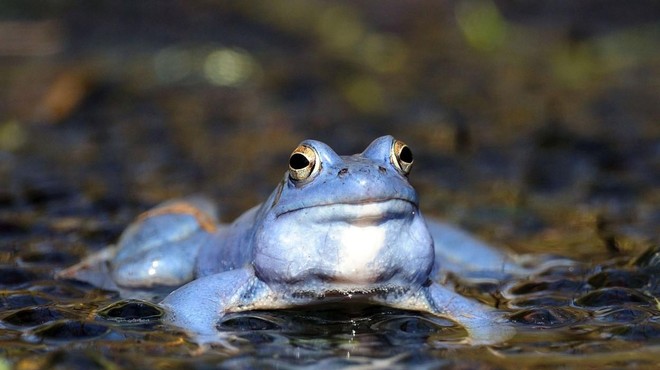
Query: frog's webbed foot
x=198, y=306
x=226, y=342
x=156, y=250
x=484, y=324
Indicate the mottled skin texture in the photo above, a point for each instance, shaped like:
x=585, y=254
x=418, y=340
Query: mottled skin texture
x=347, y=229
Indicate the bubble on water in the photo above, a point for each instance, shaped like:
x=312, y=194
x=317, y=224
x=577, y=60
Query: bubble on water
x=612, y=297
x=33, y=316
x=545, y=316
x=66, y=330
x=131, y=311
x=14, y=300
x=619, y=278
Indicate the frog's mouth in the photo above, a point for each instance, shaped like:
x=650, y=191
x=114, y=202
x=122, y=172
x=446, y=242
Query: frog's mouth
x=363, y=212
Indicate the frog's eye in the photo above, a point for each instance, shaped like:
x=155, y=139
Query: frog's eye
x=401, y=157
x=303, y=163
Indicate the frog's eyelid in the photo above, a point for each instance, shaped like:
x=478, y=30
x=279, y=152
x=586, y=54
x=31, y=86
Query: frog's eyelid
x=324, y=153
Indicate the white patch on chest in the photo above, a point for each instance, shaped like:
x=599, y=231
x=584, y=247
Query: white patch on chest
x=358, y=248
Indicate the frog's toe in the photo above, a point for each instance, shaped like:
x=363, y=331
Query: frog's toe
x=488, y=331
x=93, y=269
x=219, y=340
x=484, y=324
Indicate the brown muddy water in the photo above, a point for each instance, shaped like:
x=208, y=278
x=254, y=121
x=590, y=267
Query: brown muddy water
x=534, y=125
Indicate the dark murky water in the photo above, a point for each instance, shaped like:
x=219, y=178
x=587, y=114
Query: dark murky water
x=534, y=126
x=601, y=315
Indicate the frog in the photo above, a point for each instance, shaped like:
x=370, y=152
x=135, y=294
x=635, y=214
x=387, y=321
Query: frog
x=335, y=229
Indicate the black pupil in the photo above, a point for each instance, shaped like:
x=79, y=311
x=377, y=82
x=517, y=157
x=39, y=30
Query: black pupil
x=406, y=155
x=298, y=161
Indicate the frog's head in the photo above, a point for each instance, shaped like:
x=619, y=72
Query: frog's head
x=344, y=222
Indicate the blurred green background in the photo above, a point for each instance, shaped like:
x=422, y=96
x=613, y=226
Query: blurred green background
x=534, y=124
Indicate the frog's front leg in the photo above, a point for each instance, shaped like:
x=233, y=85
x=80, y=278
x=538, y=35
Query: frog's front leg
x=198, y=306
x=484, y=324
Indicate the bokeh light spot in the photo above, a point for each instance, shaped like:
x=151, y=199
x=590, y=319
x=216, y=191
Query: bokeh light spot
x=12, y=136
x=340, y=28
x=172, y=64
x=229, y=67
x=481, y=23
x=384, y=53
x=365, y=94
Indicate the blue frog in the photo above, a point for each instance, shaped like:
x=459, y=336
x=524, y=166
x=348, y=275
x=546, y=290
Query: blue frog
x=336, y=228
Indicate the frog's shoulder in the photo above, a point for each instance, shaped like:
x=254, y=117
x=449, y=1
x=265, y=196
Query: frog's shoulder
x=231, y=247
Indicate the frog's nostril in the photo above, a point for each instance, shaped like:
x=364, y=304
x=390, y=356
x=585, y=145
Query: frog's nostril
x=342, y=172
